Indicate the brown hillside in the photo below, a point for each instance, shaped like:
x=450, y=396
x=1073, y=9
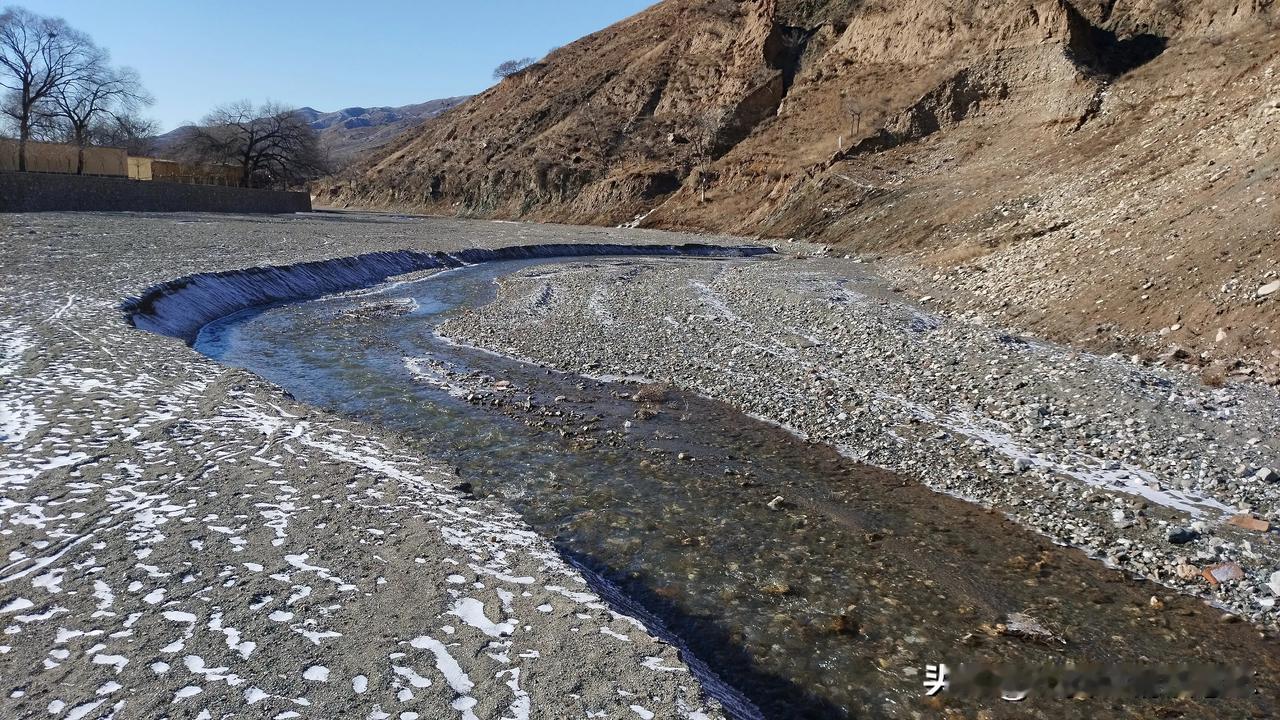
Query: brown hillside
x=1103, y=171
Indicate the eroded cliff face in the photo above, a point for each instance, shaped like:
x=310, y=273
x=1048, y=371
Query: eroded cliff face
x=1007, y=143
x=600, y=129
x=693, y=95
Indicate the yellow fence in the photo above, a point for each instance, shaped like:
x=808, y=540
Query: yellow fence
x=139, y=168
x=171, y=171
x=55, y=158
x=114, y=162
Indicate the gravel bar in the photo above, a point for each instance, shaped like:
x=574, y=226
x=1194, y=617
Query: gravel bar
x=1144, y=468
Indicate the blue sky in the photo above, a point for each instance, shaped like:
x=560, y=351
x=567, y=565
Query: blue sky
x=194, y=54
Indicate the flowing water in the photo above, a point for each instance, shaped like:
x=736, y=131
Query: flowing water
x=815, y=586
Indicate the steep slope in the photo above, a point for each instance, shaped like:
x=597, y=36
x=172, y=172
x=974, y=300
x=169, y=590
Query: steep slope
x=1103, y=171
x=600, y=129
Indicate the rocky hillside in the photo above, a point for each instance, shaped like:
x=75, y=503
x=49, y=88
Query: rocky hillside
x=1103, y=171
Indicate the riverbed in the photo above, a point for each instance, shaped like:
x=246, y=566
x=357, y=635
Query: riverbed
x=181, y=538
x=811, y=584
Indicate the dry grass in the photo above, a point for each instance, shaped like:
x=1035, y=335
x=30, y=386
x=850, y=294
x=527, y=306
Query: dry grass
x=652, y=392
x=958, y=255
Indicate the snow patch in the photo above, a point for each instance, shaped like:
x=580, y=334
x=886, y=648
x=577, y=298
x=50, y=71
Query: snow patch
x=471, y=611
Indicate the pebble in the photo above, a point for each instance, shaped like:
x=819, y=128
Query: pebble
x=1186, y=572
x=1223, y=572
x=1249, y=522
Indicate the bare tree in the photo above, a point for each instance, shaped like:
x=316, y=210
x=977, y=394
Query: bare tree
x=137, y=135
x=853, y=110
x=38, y=55
x=273, y=146
x=98, y=94
x=511, y=67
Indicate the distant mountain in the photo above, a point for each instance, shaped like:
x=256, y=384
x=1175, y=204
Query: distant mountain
x=349, y=132
x=162, y=146
x=346, y=133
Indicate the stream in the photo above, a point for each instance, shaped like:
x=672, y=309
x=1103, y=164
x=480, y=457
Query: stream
x=813, y=585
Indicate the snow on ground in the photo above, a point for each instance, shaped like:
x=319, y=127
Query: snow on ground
x=178, y=538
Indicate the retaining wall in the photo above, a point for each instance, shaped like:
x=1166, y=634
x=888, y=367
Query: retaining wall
x=39, y=192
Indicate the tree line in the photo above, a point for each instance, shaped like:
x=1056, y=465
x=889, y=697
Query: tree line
x=271, y=144
x=59, y=86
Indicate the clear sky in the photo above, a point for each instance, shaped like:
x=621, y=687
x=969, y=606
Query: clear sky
x=328, y=54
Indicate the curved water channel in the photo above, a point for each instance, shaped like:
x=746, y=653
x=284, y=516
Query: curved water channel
x=828, y=603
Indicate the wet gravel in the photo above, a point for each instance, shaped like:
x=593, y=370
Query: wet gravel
x=1144, y=468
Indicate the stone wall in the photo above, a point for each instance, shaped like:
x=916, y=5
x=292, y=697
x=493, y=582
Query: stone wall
x=37, y=192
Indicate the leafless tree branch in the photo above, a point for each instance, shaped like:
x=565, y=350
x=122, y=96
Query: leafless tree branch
x=38, y=56
x=272, y=145
x=100, y=93
x=511, y=67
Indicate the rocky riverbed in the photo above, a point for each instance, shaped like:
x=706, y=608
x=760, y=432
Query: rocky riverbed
x=186, y=539
x=1144, y=468
x=815, y=586
x=183, y=539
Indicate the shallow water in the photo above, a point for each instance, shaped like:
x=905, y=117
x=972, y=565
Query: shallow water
x=827, y=603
